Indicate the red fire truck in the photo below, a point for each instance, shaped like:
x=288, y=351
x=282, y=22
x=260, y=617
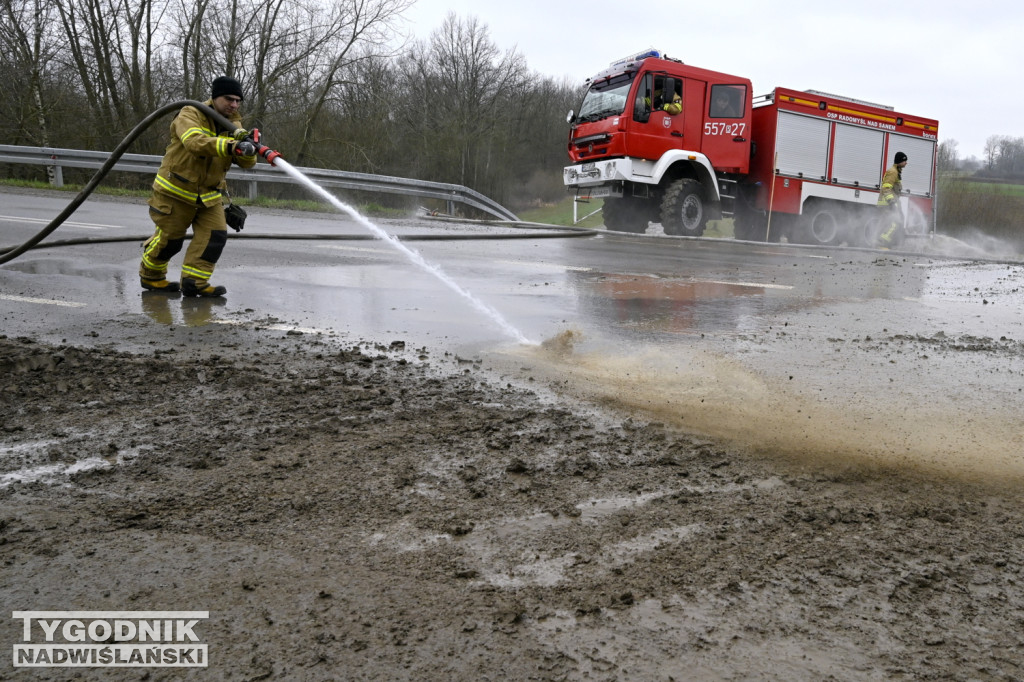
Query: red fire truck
x=803, y=165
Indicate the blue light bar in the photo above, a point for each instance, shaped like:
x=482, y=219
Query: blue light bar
x=637, y=57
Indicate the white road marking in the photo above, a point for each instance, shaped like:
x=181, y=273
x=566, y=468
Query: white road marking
x=43, y=221
x=573, y=268
x=353, y=248
x=545, y=266
x=44, y=301
x=755, y=285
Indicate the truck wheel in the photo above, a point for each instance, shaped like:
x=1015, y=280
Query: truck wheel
x=625, y=215
x=823, y=226
x=916, y=224
x=682, y=209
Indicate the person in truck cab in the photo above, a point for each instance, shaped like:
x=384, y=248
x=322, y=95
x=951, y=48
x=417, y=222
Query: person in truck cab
x=672, y=105
x=722, y=105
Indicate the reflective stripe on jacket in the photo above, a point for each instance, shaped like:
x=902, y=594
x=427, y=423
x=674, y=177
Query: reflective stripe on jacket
x=892, y=186
x=673, y=107
x=197, y=159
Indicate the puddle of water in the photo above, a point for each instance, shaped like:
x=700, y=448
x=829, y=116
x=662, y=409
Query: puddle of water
x=551, y=571
x=36, y=450
x=488, y=539
x=654, y=640
x=676, y=305
x=543, y=573
x=22, y=448
x=598, y=508
x=52, y=471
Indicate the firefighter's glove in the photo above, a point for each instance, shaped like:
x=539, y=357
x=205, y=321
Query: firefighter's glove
x=240, y=134
x=244, y=148
x=235, y=217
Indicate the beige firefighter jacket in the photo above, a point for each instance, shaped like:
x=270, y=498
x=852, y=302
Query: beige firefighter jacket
x=197, y=159
x=892, y=186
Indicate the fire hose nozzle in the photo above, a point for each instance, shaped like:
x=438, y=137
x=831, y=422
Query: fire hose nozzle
x=267, y=153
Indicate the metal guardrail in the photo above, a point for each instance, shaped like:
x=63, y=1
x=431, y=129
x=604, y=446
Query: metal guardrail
x=143, y=163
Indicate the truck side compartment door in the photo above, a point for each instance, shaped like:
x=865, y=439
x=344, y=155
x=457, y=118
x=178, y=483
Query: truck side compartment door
x=726, y=132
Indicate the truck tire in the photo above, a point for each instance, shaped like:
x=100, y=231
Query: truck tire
x=625, y=215
x=823, y=226
x=682, y=209
x=916, y=224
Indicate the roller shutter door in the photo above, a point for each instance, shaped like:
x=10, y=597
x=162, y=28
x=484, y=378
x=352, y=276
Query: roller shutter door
x=802, y=146
x=858, y=156
x=917, y=175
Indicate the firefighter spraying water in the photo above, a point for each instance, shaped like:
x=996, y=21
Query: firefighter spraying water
x=182, y=200
x=190, y=190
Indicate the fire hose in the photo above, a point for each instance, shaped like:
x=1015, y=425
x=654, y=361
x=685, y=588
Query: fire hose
x=266, y=152
x=262, y=150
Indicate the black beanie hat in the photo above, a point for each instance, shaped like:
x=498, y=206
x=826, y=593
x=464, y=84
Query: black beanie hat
x=900, y=157
x=226, y=85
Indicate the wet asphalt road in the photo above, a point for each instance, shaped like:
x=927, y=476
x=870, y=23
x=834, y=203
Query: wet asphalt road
x=633, y=289
x=863, y=327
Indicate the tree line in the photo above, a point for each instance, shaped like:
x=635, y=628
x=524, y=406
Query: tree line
x=330, y=83
x=1004, y=158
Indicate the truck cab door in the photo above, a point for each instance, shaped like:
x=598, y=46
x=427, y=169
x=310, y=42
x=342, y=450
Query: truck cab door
x=652, y=130
x=726, y=134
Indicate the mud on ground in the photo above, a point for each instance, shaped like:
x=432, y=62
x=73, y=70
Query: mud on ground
x=374, y=513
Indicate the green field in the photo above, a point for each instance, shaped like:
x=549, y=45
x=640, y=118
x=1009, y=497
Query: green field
x=980, y=187
x=561, y=213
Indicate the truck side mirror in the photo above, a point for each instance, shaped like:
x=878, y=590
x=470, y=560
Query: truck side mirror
x=571, y=117
x=669, y=90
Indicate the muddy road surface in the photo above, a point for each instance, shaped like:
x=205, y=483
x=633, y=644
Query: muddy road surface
x=370, y=511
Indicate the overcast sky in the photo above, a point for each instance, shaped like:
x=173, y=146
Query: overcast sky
x=958, y=62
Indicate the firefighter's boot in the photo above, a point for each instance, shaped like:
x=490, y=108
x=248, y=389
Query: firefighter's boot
x=159, y=285
x=191, y=287
x=886, y=239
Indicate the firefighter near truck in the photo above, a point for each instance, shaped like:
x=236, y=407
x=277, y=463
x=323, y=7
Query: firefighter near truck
x=799, y=165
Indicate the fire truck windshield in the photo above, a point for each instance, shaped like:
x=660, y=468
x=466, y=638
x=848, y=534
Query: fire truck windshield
x=606, y=97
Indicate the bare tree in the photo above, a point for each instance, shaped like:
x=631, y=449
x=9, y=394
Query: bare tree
x=116, y=47
x=948, y=157
x=991, y=150
x=1011, y=157
x=263, y=43
x=30, y=48
x=1004, y=157
x=320, y=76
x=357, y=130
x=194, y=50
x=462, y=93
x=358, y=24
